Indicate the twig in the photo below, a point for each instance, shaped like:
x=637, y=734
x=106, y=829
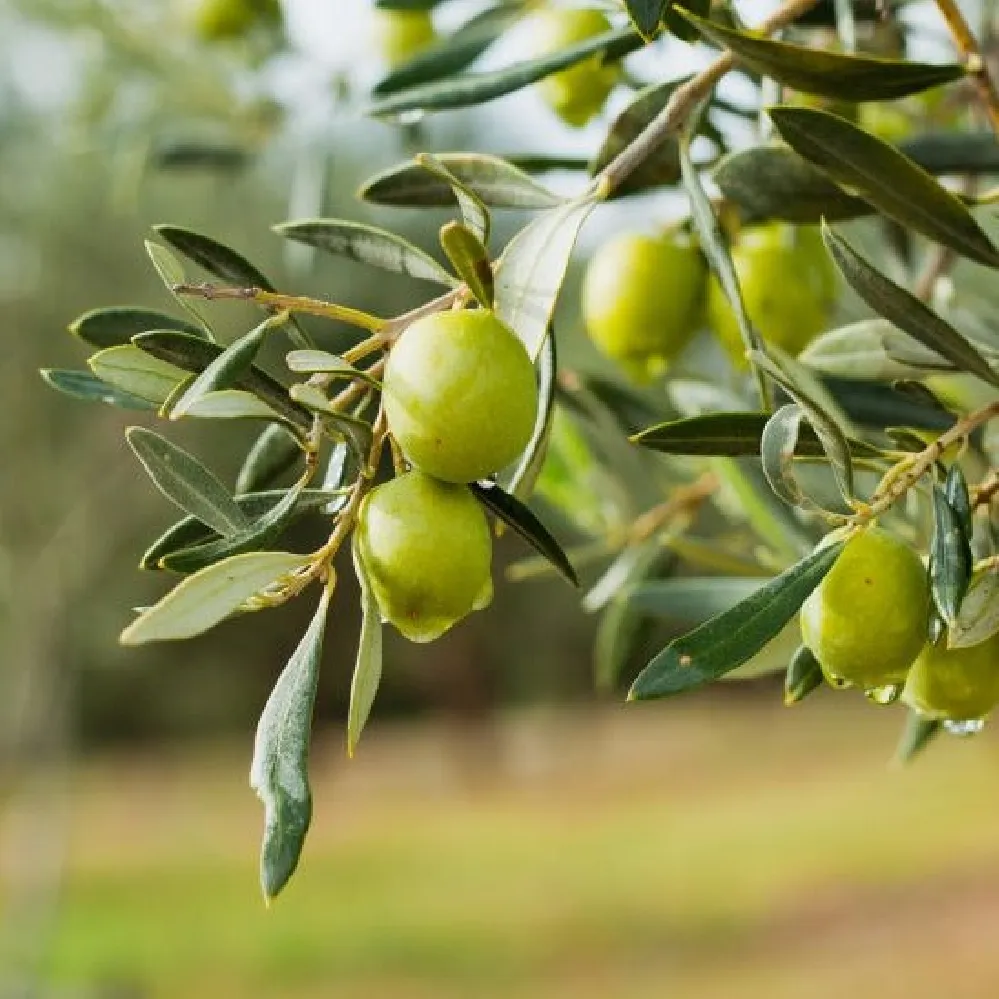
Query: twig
x=986, y=490
x=974, y=61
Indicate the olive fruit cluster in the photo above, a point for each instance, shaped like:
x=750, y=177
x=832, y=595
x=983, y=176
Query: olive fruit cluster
x=578, y=93
x=460, y=398
x=866, y=624
x=224, y=20
x=642, y=300
x=788, y=284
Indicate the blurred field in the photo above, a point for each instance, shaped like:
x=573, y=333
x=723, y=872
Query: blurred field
x=707, y=849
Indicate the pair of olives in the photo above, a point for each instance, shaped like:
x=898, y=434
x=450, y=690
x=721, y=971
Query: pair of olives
x=866, y=624
x=460, y=397
x=645, y=297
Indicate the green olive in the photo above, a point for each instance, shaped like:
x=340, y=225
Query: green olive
x=642, y=300
x=788, y=285
x=955, y=684
x=460, y=395
x=578, y=93
x=866, y=621
x=403, y=34
x=224, y=20
x=426, y=549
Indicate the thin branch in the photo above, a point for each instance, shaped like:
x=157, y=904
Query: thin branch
x=967, y=45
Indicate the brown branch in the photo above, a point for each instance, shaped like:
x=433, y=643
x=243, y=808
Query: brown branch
x=967, y=45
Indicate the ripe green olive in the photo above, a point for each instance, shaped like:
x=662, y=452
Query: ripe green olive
x=955, y=684
x=402, y=34
x=578, y=93
x=866, y=621
x=788, y=285
x=426, y=549
x=642, y=300
x=460, y=395
x=223, y=20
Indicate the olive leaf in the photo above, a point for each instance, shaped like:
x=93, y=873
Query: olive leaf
x=524, y=476
x=777, y=446
x=208, y=597
x=876, y=171
x=904, y=310
x=354, y=431
x=279, y=772
x=134, y=372
x=826, y=73
x=804, y=675
x=495, y=181
x=950, y=558
x=518, y=516
x=733, y=637
x=86, y=387
x=229, y=404
x=272, y=453
x=116, y=325
x=978, y=617
x=171, y=273
x=470, y=260
x=958, y=498
x=186, y=482
x=680, y=26
x=367, y=244
x=646, y=15
x=368, y=666
x=917, y=733
x=474, y=212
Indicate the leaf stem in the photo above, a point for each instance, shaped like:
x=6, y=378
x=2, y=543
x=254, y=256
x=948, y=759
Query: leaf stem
x=682, y=105
x=974, y=61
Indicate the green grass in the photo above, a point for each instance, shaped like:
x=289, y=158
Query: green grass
x=702, y=850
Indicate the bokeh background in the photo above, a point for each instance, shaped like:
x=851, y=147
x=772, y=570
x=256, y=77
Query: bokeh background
x=502, y=831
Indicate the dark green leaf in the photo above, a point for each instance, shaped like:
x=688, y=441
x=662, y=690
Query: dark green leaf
x=829, y=74
x=452, y=54
x=679, y=25
x=804, y=674
x=355, y=432
x=368, y=245
x=734, y=636
x=89, y=388
x=272, y=454
x=115, y=326
x=171, y=273
x=186, y=482
x=877, y=172
x=917, y=734
x=950, y=558
x=467, y=89
x=906, y=311
x=368, y=665
x=959, y=499
x=280, y=769
x=525, y=475
x=470, y=260
x=646, y=15
x=199, y=155
x=520, y=517
x=496, y=182
x=407, y=4
x=954, y=152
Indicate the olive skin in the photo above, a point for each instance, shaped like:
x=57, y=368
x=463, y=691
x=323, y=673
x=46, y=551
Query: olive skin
x=402, y=34
x=460, y=395
x=866, y=621
x=788, y=286
x=425, y=548
x=642, y=300
x=225, y=20
x=955, y=684
x=578, y=93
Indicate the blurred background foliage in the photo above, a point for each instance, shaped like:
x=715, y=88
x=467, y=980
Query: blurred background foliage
x=716, y=847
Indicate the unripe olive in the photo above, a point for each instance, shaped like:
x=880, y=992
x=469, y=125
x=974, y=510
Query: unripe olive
x=955, y=684
x=426, y=549
x=402, y=34
x=866, y=621
x=460, y=395
x=222, y=20
x=788, y=285
x=578, y=93
x=642, y=300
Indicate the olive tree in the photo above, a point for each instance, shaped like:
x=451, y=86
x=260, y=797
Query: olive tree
x=815, y=496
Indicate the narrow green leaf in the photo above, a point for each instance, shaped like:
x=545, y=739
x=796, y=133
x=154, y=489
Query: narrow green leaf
x=916, y=736
x=646, y=15
x=231, y=404
x=115, y=326
x=273, y=453
x=614, y=642
x=678, y=25
x=356, y=432
x=876, y=171
x=89, y=388
x=368, y=665
x=950, y=559
x=226, y=264
x=279, y=772
x=474, y=212
x=336, y=475
x=630, y=565
x=134, y=372
x=496, y=183
x=186, y=482
x=464, y=90
x=184, y=154
x=777, y=446
x=520, y=517
x=171, y=273
x=690, y=600
x=958, y=499
x=451, y=54
x=978, y=617
x=860, y=351
x=904, y=310
x=310, y=362
x=470, y=260
x=201, y=601
x=367, y=244
x=829, y=74
x=954, y=152
x=521, y=481
x=804, y=675
x=532, y=268
x=734, y=636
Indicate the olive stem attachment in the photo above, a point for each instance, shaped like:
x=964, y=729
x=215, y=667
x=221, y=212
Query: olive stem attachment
x=971, y=52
